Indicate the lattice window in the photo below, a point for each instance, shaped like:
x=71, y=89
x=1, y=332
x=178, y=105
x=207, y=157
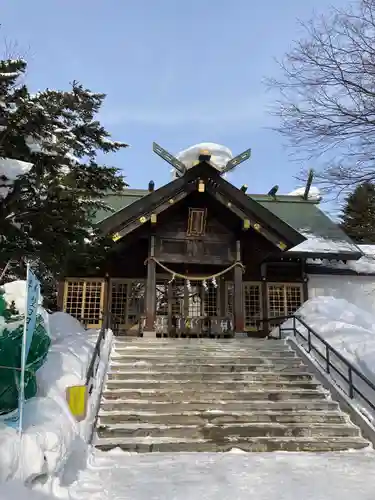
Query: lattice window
x=293, y=298
x=283, y=298
x=195, y=301
x=229, y=298
x=211, y=300
x=162, y=297
x=252, y=297
x=178, y=294
x=196, y=222
x=84, y=299
x=127, y=301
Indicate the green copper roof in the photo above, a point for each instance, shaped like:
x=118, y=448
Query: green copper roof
x=118, y=201
x=323, y=235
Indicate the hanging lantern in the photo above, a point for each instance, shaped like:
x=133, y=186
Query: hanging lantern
x=214, y=282
x=205, y=286
x=188, y=285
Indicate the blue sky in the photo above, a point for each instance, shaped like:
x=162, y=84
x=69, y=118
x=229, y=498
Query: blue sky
x=175, y=72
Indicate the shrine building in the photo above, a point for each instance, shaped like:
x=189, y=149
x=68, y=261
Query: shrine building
x=201, y=257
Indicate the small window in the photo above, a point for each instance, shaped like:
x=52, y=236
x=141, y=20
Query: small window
x=196, y=222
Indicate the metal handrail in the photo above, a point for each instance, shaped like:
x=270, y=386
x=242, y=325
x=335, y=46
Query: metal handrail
x=93, y=366
x=327, y=356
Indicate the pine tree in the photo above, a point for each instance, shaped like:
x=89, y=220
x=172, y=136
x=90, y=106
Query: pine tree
x=51, y=181
x=358, y=217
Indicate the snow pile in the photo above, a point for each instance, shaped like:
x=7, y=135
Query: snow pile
x=314, y=193
x=10, y=170
x=15, y=489
x=220, y=155
x=348, y=329
x=51, y=434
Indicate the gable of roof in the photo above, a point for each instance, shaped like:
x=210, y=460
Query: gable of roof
x=324, y=238
x=132, y=216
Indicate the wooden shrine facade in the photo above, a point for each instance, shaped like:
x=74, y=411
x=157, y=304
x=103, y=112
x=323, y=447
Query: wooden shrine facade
x=197, y=255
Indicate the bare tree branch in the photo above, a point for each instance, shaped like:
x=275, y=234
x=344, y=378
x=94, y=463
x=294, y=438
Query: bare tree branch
x=326, y=102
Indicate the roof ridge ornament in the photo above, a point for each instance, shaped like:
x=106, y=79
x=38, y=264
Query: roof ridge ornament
x=204, y=155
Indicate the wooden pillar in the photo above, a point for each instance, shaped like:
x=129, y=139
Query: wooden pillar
x=151, y=289
x=60, y=295
x=106, y=304
x=263, y=272
x=238, y=293
x=170, y=309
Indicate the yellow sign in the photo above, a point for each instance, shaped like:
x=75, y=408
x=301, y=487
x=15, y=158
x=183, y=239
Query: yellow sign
x=257, y=227
x=282, y=245
x=76, y=397
x=143, y=219
x=116, y=237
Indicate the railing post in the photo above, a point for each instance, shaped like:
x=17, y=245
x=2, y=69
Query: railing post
x=309, y=340
x=350, y=379
x=328, y=367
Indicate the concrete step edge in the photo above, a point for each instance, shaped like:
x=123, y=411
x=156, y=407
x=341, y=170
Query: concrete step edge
x=313, y=439
x=323, y=426
x=220, y=413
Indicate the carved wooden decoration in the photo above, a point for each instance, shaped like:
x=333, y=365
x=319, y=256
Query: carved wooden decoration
x=196, y=222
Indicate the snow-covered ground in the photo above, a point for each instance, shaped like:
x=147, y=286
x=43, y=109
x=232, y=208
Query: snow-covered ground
x=237, y=476
x=52, y=437
x=91, y=474
x=351, y=332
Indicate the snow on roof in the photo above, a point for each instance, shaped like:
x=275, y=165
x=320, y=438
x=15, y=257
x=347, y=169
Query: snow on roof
x=220, y=155
x=314, y=193
x=10, y=169
x=316, y=244
x=364, y=265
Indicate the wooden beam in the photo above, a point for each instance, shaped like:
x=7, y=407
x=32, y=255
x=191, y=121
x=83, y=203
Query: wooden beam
x=238, y=293
x=151, y=289
x=263, y=272
x=273, y=238
x=117, y=235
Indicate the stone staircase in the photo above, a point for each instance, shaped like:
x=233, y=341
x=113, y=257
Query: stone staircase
x=211, y=396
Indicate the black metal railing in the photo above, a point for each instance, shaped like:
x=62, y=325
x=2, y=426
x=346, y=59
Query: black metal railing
x=328, y=358
x=95, y=359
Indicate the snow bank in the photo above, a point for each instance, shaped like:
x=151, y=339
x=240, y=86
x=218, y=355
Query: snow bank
x=16, y=490
x=348, y=329
x=51, y=434
x=220, y=155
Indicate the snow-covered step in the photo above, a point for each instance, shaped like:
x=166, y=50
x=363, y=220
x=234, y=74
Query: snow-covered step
x=191, y=351
x=207, y=376
x=242, y=357
x=255, y=444
x=218, y=433
x=210, y=394
x=218, y=385
x=203, y=417
x=292, y=366
x=292, y=405
x=205, y=395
